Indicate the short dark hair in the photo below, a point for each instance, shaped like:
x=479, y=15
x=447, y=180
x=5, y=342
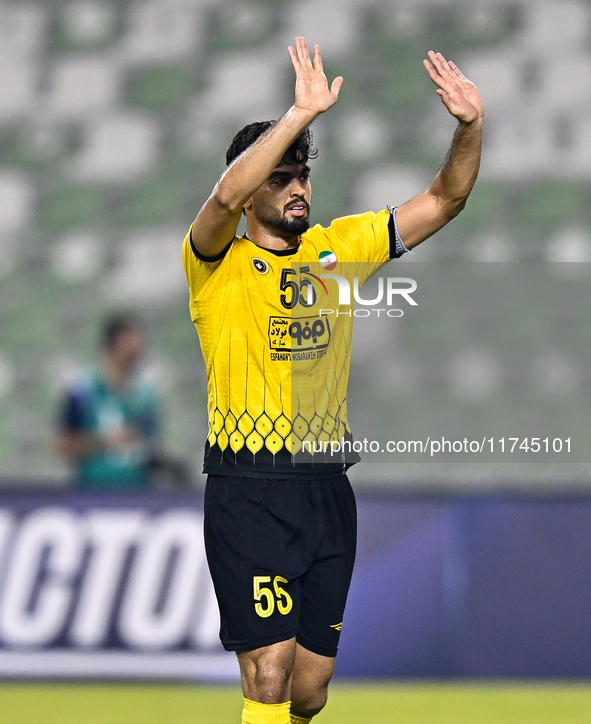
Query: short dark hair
x=116, y=325
x=300, y=150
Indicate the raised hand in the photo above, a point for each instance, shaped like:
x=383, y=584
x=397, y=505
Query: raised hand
x=311, y=91
x=457, y=93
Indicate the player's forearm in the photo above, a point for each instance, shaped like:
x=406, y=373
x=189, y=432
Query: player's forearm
x=251, y=169
x=454, y=181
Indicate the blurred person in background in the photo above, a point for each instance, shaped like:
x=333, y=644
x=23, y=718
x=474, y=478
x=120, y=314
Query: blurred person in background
x=109, y=420
x=281, y=535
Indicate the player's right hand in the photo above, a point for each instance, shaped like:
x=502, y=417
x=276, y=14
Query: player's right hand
x=312, y=93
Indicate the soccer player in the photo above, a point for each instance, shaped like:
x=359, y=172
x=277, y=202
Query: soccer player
x=280, y=528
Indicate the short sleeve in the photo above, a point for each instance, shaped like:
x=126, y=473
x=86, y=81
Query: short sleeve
x=370, y=240
x=198, y=268
x=397, y=247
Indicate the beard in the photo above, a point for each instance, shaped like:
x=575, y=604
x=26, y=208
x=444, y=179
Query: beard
x=287, y=227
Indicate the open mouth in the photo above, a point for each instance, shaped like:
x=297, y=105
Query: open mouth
x=299, y=209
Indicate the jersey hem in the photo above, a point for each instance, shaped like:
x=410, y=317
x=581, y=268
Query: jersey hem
x=275, y=474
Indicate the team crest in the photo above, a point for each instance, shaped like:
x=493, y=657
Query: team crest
x=260, y=265
x=328, y=259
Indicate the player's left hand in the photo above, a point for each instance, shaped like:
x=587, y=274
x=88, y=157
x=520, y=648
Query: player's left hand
x=457, y=93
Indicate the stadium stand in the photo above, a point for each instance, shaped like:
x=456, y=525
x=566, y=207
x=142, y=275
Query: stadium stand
x=114, y=119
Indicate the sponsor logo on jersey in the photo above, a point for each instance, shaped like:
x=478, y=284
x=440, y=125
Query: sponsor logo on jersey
x=260, y=265
x=336, y=626
x=301, y=335
x=328, y=259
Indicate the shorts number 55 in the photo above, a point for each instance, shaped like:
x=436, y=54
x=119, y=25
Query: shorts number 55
x=262, y=592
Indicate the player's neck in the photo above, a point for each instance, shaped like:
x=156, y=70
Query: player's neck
x=270, y=239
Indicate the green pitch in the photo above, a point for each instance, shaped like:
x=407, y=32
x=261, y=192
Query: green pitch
x=544, y=703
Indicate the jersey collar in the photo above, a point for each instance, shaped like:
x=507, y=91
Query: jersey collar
x=277, y=252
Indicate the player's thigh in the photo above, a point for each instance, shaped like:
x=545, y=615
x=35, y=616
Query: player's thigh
x=325, y=586
x=254, y=570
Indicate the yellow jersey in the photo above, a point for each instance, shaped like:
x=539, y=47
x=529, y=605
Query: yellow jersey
x=275, y=329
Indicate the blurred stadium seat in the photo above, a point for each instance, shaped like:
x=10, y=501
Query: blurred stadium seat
x=114, y=119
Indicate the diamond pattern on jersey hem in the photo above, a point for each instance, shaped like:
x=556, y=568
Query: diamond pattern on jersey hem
x=228, y=431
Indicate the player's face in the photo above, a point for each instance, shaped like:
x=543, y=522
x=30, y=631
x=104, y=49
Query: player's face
x=128, y=348
x=283, y=201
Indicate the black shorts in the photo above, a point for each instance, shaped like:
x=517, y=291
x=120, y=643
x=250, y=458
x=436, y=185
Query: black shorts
x=281, y=555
